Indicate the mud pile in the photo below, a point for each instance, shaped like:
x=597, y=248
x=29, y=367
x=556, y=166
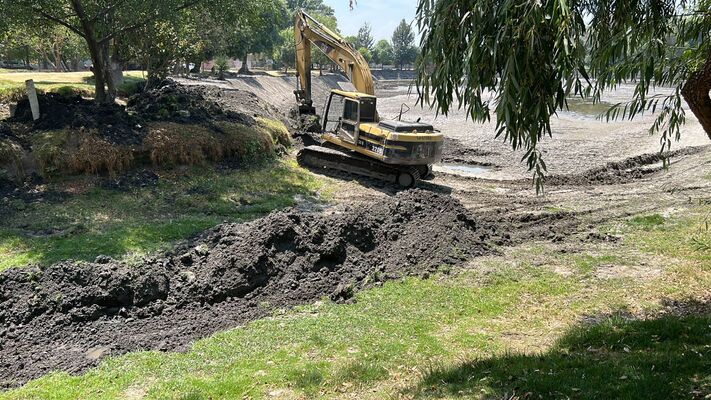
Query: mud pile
x=623, y=171
x=57, y=112
x=70, y=315
x=194, y=104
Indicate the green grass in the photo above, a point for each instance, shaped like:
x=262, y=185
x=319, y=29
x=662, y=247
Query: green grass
x=133, y=223
x=12, y=83
x=647, y=221
x=512, y=331
x=661, y=358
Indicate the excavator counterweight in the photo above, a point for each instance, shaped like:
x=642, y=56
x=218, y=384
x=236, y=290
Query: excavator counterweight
x=354, y=137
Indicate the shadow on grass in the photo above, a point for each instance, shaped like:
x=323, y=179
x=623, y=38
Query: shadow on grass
x=668, y=357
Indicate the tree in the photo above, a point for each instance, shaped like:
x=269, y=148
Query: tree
x=534, y=55
x=100, y=23
x=364, y=38
x=403, y=44
x=312, y=7
x=352, y=40
x=365, y=53
x=383, y=53
x=261, y=34
x=286, y=52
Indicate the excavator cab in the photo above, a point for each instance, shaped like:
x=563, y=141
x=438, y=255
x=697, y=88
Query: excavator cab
x=345, y=111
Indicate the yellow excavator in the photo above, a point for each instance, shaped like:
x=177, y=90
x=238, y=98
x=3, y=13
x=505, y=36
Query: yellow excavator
x=354, y=138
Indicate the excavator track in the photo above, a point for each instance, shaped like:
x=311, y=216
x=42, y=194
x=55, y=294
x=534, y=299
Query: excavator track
x=320, y=157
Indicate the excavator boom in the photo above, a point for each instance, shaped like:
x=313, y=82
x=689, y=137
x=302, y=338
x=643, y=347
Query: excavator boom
x=308, y=30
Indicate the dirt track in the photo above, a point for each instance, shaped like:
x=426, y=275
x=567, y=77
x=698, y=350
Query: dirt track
x=69, y=316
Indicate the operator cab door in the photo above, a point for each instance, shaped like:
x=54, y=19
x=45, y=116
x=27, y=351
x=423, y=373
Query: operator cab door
x=342, y=118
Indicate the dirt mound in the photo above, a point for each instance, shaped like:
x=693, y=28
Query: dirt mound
x=623, y=171
x=190, y=104
x=454, y=151
x=70, y=315
x=58, y=112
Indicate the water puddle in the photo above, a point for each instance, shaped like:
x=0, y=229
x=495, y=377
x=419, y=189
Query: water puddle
x=585, y=109
x=462, y=169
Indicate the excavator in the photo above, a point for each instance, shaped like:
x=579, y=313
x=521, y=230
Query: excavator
x=353, y=137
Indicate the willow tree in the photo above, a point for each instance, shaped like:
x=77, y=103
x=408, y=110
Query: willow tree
x=533, y=55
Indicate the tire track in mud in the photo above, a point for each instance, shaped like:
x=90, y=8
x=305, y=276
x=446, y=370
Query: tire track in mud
x=70, y=315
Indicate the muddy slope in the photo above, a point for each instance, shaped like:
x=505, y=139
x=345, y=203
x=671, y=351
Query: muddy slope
x=70, y=315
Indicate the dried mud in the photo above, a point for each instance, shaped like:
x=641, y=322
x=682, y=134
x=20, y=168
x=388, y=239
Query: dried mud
x=68, y=316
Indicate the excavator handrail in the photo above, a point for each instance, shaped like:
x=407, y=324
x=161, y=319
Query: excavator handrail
x=308, y=30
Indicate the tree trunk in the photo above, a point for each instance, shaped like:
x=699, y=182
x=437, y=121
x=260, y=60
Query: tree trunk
x=696, y=93
x=244, y=69
x=116, y=64
x=98, y=69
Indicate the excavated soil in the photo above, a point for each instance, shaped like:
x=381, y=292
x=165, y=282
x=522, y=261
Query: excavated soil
x=624, y=171
x=58, y=112
x=70, y=315
x=121, y=125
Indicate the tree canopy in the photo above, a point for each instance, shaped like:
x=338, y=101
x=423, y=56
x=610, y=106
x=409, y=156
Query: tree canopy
x=364, y=37
x=404, y=51
x=383, y=52
x=535, y=55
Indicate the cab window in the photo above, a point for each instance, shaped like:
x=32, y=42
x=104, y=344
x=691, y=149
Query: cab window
x=350, y=110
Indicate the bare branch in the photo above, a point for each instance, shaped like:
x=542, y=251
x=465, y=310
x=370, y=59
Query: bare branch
x=60, y=21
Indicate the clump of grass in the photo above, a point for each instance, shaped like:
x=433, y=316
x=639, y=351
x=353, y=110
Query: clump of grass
x=78, y=151
x=50, y=151
x=71, y=91
x=11, y=157
x=276, y=129
x=647, y=221
x=96, y=155
x=170, y=143
x=245, y=142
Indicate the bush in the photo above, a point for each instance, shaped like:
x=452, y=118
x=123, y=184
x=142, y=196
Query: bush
x=130, y=87
x=71, y=91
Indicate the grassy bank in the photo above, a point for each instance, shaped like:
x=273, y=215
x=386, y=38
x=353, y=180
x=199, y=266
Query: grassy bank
x=83, y=220
x=12, y=83
x=623, y=320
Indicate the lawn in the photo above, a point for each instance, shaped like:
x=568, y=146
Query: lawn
x=511, y=327
x=51, y=81
x=127, y=224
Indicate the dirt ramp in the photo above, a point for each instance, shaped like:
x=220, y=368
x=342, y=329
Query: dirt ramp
x=56, y=318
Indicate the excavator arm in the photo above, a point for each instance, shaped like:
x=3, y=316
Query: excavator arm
x=308, y=31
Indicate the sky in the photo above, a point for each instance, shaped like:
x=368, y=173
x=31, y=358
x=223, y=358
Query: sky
x=382, y=15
